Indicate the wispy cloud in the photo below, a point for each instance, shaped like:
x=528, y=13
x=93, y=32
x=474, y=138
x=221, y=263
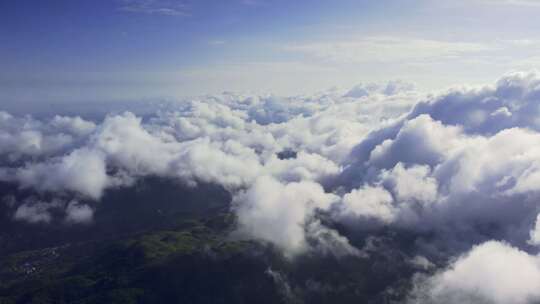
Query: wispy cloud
x=156, y=7
x=515, y=2
x=387, y=49
x=217, y=42
x=253, y=2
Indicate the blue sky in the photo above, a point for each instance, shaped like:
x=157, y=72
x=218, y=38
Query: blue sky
x=84, y=50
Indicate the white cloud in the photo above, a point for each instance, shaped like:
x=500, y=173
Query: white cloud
x=450, y=166
x=411, y=184
x=369, y=202
x=420, y=141
x=492, y=272
x=79, y=213
x=391, y=88
x=422, y=263
x=22, y=137
x=128, y=145
x=35, y=211
x=535, y=233
x=73, y=125
x=82, y=171
x=277, y=213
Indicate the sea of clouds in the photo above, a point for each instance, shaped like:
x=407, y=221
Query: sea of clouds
x=462, y=166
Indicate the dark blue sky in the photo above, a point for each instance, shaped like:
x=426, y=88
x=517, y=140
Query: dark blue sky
x=123, y=49
x=105, y=35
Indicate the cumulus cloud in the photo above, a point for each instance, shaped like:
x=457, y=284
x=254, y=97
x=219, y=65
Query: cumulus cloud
x=369, y=202
x=35, y=212
x=82, y=171
x=492, y=272
x=535, y=233
x=411, y=184
x=391, y=88
x=421, y=262
x=278, y=213
x=79, y=213
x=420, y=141
x=26, y=137
x=127, y=144
x=510, y=103
x=462, y=165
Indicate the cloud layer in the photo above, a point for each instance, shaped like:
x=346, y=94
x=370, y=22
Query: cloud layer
x=458, y=169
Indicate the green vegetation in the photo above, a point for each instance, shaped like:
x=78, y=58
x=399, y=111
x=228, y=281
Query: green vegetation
x=138, y=269
x=184, y=254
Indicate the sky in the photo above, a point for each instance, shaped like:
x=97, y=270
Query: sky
x=80, y=50
x=457, y=171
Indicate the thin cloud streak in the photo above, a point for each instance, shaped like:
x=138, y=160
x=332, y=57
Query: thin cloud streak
x=156, y=7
